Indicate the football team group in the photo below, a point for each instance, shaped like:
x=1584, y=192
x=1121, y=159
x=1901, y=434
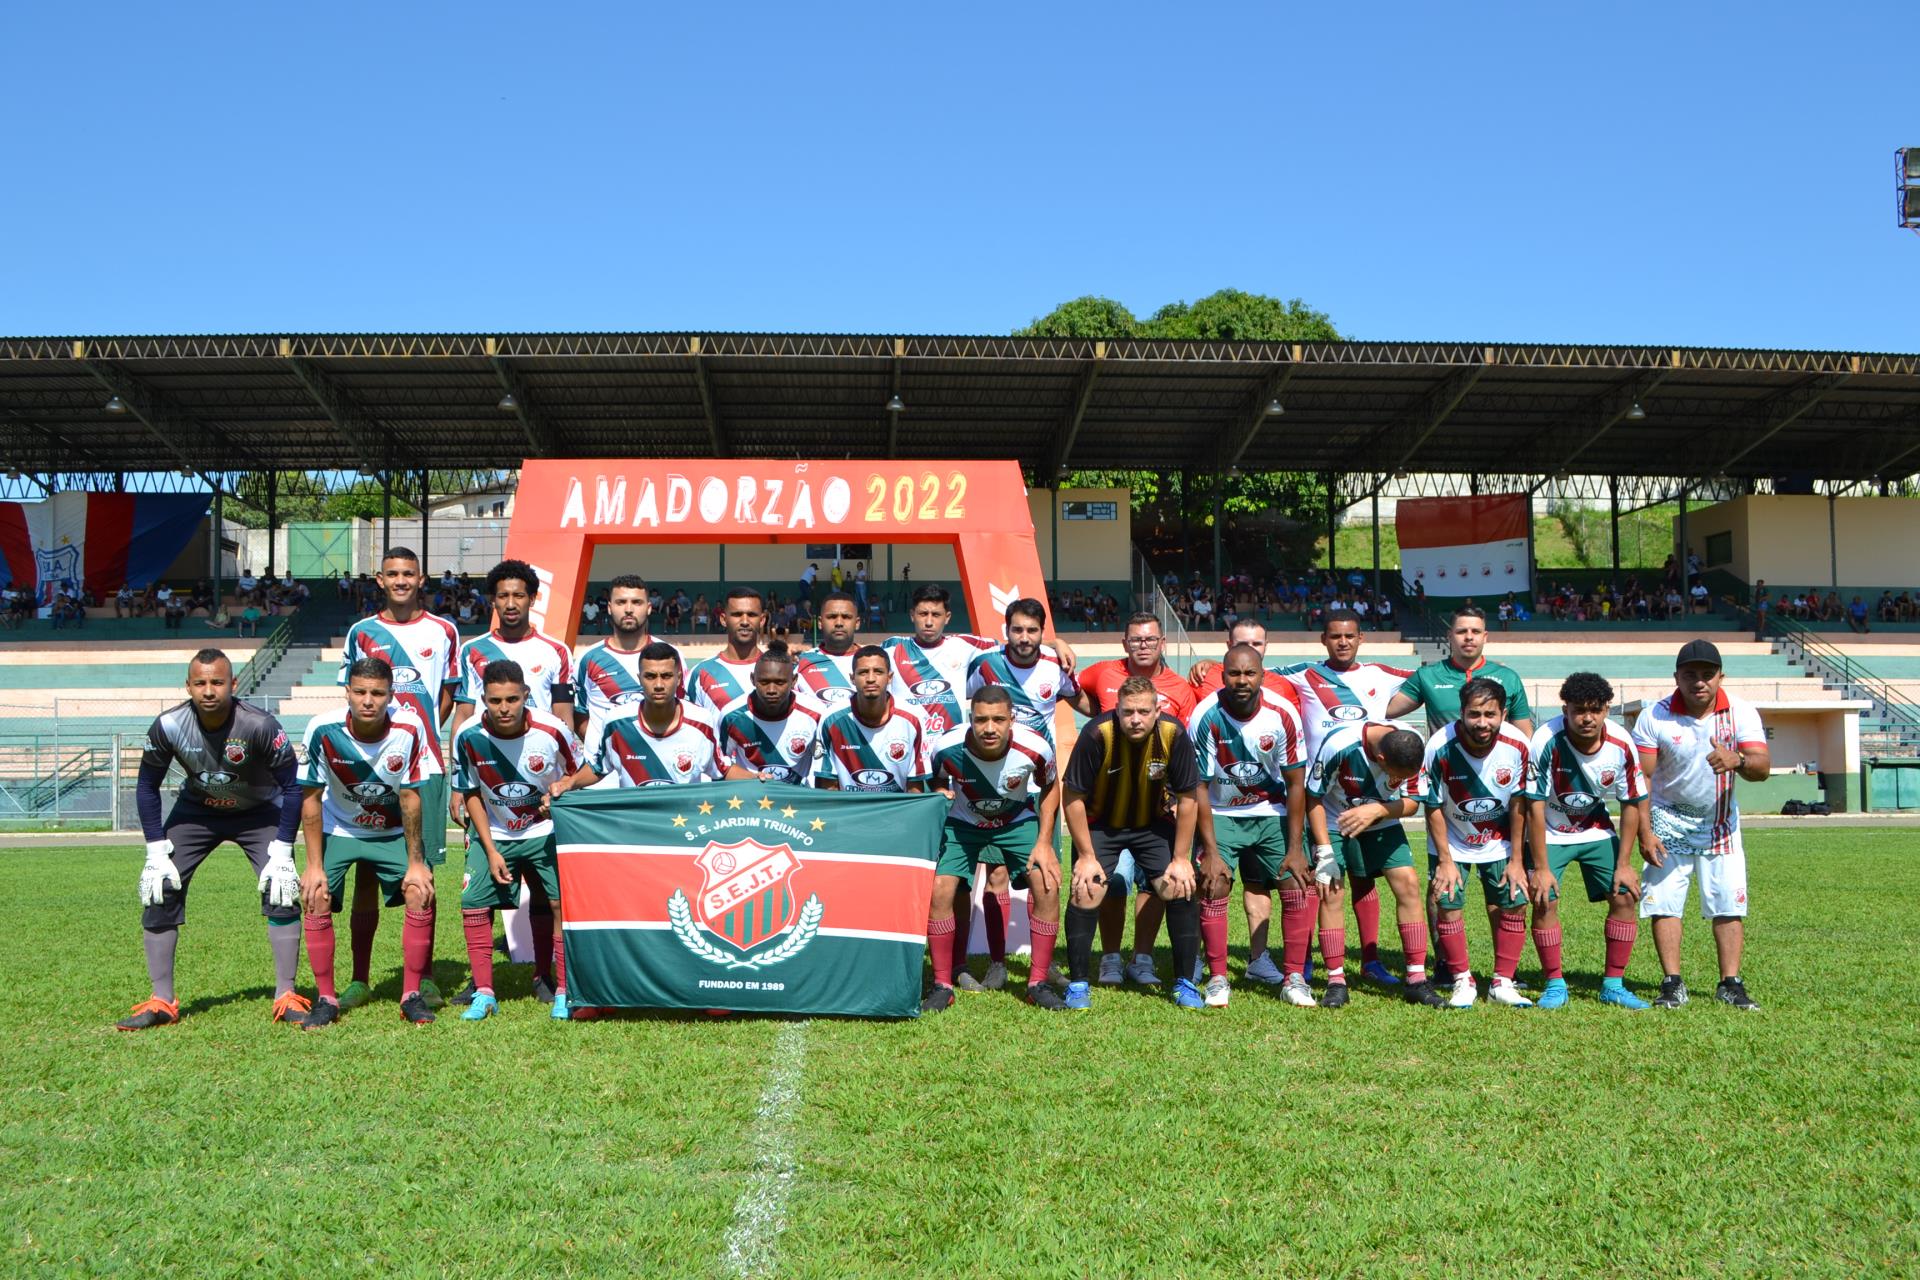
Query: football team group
x=1296, y=779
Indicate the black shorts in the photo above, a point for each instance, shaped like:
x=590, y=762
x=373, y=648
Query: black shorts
x=1152, y=849
x=196, y=836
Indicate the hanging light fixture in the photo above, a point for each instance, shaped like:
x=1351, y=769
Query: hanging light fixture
x=1275, y=408
x=1636, y=413
x=895, y=404
x=507, y=403
x=116, y=405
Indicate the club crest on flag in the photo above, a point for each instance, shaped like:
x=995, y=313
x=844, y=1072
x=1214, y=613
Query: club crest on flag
x=746, y=901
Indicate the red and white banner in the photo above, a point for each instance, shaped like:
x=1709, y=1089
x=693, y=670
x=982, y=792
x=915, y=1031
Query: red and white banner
x=1474, y=546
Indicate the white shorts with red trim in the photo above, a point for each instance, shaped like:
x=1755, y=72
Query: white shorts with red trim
x=1723, y=883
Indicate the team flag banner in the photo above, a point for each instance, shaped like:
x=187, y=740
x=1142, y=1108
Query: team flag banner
x=1473, y=546
x=101, y=539
x=746, y=895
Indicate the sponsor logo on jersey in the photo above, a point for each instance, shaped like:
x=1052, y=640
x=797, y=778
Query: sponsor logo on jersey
x=623, y=699
x=370, y=792
x=932, y=688
x=236, y=751
x=896, y=750
x=513, y=792
x=778, y=773
x=407, y=675
x=1576, y=800
x=833, y=696
x=994, y=806
x=1481, y=806
x=216, y=778
x=1246, y=772
x=1503, y=776
x=1347, y=712
x=872, y=780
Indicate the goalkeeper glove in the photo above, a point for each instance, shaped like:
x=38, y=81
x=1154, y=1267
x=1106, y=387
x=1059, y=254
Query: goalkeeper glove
x=158, y=873
x=279, y=881
x=1326, y=866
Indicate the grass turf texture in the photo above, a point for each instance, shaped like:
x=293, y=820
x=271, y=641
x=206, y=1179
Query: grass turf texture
x=1138, y=1140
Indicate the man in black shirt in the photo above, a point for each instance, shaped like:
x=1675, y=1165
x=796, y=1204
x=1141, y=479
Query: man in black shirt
x=242, y=785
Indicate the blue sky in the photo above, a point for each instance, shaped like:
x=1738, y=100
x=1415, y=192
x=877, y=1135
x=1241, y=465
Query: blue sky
x=1697, y=174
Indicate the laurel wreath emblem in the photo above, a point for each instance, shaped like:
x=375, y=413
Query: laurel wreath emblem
x=680, y=916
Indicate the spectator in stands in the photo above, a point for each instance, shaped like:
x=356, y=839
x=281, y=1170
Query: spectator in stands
x=1908, y=606
x=807, y=577
x=1889, y=611
x=246, y=584
x=248, y=623
x=68, y=611
x=702, y=612
x=449, y=580
x=1676, y=607
x=123, y=601
x=589, y=614
x=345, y=585
x=468, y=610
x=1701, y=597
x=1506, y=610
x=1857, y=616
x=1383, y=612
x=174, y=606
x=860, y=584
x=838, y=577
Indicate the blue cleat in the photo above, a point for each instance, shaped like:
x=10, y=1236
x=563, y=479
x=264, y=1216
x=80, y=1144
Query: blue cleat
x=1554, y=995
x=560, y=1006
x=1380, y=973
x=479, y=1005
x=1614, y=991
x=1079, y=996
x=1186, y=995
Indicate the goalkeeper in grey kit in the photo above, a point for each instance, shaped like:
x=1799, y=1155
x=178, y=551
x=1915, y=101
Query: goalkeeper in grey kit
x=240, y=784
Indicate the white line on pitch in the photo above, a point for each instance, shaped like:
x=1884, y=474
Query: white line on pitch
x=760, y=1214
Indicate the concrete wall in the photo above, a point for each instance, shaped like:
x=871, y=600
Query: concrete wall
x=1790, y=540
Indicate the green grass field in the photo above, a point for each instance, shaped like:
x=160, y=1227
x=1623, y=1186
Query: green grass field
x=993, y=1140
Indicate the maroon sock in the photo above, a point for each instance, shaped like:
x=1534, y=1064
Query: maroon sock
x=1298, y=909
x=319, y=933
x=361, y=926
x=1045, y=933
x=940, y=950
x=962, y=929
x=1213, y=933
x=559, y=959
x=479, y=927
x=1547, y=943
x=1413, y=942
x=541, y=923
x=416, y=950
x=1508, y=942
x=1333, y=949
x=1453, y=946
x=998, y=909
x=1620, y=936
x=1366, y=914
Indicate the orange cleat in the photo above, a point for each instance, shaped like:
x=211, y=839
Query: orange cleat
x=292, y=1007
x=151, y=1012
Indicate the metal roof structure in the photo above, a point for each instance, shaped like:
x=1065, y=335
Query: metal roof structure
x=394, y=402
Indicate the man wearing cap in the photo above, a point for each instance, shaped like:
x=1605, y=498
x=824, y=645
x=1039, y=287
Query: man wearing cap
x=1691, y=746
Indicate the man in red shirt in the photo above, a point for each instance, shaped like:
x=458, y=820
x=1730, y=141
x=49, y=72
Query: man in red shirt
x=1248, y=631
x=1099, y=684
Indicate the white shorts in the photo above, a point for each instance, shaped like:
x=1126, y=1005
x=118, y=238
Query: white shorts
x=1723, y=884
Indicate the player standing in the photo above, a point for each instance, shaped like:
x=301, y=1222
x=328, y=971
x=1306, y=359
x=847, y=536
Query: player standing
x=366, y=768
x=242, y=785
x=825, y=673
x=1476, y=773
x=930, y=666
x=421, y=649
x=1036, y=680
x=873, y=743
x=999, y=774
x=1133, y=783
x=505, y=761
x=1357, y=793
x=772, y=732
x=1578, y=760
x=608, y=674
x=659, y=741
x=1692, y=746
x=1252, y=756
x=1208, y=677
x=715, y=683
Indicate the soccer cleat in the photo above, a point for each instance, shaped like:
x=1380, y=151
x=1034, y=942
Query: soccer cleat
x=584, y=1012
x=1465, y=992
x=414, y=1009
x=1734, y=992
x=1219, y=991
x=1506, y=991
x=151, y=1012
x=1263, y=969
x=1186, y=995
x=996, y=979
x=1554, y=994
x=1422, y=993
x=1057, y=974
x=1079, y=996
x=1141, y=972
x=1297, y=992
x=1673, y=992
x=938, y=999
x=964, y=981
x=479, y=1007
x=464, y=995
x=1380, y=973
x=1042, y=996
x=430, y=992
x=1443, y=975
x=356, y=994
x=1613, y=991
x=543, y=990
x=1200, y=970
x=559, y=1011
x=291, y=1008
x=323, y=1014
x=1336, y=996
x=1113, y=970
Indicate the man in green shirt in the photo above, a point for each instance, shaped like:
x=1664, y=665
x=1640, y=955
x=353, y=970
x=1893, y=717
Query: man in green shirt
x=1436, y=686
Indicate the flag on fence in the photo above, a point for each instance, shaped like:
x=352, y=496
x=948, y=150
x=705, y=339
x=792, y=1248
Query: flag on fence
x=101, y=539
x=1469, y=546
x=746, y=895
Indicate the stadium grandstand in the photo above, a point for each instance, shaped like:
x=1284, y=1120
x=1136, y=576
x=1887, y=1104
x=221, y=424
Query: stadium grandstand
x=1787, y=467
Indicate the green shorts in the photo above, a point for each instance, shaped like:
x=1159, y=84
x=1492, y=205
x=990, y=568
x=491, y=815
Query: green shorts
x=1371, y=853
x=527, y=860
x=963, y=846
x=1598, y=860
x=433, y=819
x=1253, y=848
x=1490, y=884
x=387, y=855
